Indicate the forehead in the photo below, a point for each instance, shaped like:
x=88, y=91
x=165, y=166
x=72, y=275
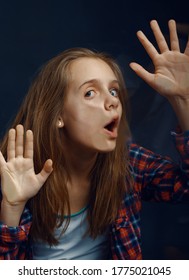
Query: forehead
x=90, y=68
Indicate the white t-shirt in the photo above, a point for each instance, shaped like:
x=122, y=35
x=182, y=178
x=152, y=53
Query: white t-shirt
x=74, y=244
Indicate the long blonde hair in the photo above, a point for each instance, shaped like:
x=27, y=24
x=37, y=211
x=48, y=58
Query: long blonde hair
x=110, y=177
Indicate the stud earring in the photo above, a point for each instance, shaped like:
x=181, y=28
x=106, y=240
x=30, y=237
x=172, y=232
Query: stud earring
x=60, y=122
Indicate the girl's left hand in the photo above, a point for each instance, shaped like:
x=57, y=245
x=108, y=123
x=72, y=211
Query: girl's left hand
x=171, y=67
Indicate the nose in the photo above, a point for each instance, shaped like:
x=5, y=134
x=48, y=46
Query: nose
x=111, y=102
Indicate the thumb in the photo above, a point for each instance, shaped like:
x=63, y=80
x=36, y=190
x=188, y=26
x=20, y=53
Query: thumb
x=48, y=166
x=142, y=73
x=46, y=171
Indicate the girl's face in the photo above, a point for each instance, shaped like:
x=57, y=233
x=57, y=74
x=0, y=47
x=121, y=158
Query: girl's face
x=92, y=109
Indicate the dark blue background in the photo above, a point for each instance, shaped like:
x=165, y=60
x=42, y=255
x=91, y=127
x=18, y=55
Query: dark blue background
x=31, y=32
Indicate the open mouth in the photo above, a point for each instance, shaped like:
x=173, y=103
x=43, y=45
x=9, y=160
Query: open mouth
x=110, y=127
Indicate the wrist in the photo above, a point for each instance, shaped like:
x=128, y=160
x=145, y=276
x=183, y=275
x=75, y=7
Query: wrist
x=181, y=108
x=179, y=100
x=10, y=213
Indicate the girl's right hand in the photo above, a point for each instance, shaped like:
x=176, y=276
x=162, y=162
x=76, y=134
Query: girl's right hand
x=19, y=182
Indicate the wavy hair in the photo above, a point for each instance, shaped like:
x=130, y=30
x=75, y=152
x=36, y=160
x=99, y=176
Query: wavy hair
x=110, y=176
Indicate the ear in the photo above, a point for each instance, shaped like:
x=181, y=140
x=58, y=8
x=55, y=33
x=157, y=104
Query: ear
x=60, y=122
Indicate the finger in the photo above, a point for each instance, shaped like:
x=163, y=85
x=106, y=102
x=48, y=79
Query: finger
x=173, y=36
x=2, y=160
x=160, y=39
x=29, y=145
x=19, y=140
x=187, y=48
x=11, y=144
x=46, y=171
x=150, y=49
x=142, y=73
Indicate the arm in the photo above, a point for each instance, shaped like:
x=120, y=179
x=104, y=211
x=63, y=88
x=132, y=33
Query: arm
x=171, y=74
x=15, y=241
x=158, y=178
x=19, y=183
x=18, y=180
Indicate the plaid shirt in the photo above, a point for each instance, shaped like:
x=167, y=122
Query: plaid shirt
x=156, y=178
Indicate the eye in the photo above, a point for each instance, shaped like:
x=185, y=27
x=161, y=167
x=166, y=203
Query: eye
x=114, y=92
x=90, y=94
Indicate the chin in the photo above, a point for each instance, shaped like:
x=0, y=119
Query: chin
x=107, y=149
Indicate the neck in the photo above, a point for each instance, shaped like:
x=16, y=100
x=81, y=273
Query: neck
x=80, y=163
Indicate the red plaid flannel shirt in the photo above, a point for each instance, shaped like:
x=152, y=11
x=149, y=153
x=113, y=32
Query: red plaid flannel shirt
x=156, y=178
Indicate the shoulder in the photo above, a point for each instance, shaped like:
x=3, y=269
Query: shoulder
x=141, y=157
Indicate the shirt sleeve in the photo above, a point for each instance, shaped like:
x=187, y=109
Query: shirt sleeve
x=14, y=241
x=158, y=178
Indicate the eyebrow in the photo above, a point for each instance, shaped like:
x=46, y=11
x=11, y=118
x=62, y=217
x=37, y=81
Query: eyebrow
x=95, y=81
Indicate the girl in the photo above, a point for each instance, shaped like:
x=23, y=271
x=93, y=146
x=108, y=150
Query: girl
x=73, y=191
